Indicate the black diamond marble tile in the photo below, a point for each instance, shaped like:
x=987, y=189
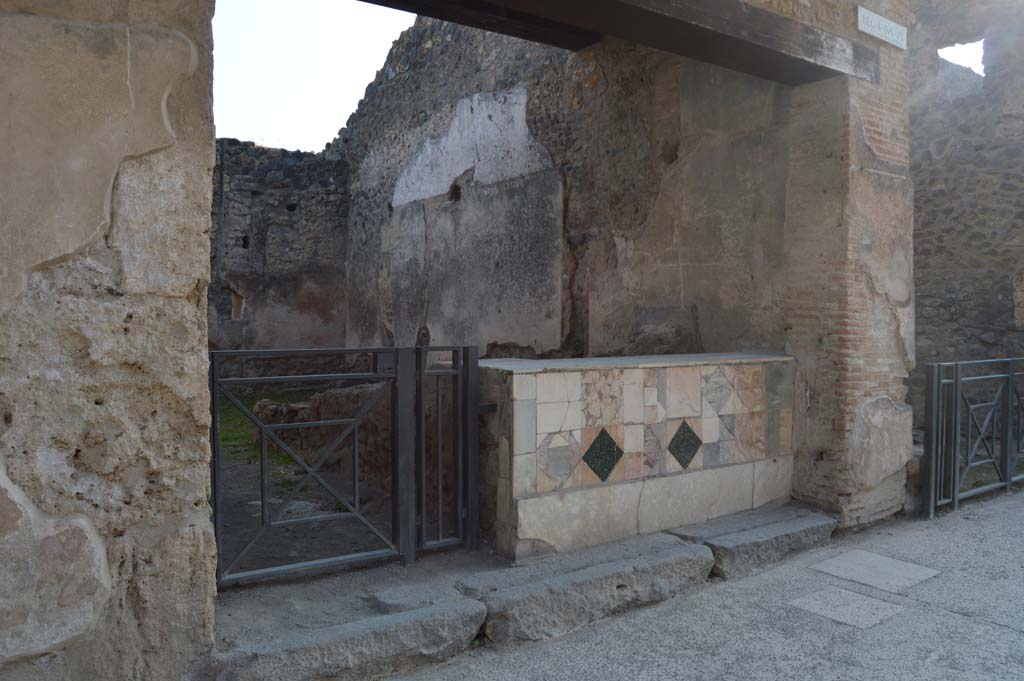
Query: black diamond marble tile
x=602, y=455
x=684, y=444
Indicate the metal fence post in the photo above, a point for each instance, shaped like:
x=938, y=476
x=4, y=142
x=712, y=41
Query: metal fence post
x=931, y=433
x=405, y=452
x=954, y=453
x=471, y=440
x=215, y=487
x=1007, y=435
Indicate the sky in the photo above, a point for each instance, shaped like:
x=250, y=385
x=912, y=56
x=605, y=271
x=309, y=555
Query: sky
x=287, y=73
x=966, y=55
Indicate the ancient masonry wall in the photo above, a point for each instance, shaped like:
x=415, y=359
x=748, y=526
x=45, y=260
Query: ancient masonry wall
x=968, y=169
x=106, y=545
x=277, y=249
x=538, y=202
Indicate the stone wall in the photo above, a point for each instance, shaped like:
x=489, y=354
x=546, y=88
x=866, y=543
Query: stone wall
x=277, y=249
x=614, y=201
x=106, y=544
x=968, y=169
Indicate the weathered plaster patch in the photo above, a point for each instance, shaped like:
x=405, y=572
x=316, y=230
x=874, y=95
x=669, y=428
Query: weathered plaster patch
x=55, y=580
x=82, y=121
x=488, y=133
x=880, y=444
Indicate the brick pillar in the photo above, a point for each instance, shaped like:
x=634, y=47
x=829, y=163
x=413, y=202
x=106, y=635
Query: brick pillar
x=850, y=317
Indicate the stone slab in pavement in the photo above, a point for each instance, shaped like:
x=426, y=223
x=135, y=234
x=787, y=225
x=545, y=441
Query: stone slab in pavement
x=880, y=572
x=848, y=607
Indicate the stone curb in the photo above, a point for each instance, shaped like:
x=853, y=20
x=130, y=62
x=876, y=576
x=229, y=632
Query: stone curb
x=557, y=605
x=359, y=650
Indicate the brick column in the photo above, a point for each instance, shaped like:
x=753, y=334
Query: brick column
x=850, y=318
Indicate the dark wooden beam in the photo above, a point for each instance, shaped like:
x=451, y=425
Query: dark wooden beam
x=498, y=19
x=728, y=33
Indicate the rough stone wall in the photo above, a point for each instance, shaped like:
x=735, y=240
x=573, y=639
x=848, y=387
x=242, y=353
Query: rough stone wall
x=277, y=248
x=105, y=536
x=614, y=201
x=968, y=170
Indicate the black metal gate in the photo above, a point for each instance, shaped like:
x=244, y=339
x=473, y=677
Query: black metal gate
x=330, y=457
x=974, y=427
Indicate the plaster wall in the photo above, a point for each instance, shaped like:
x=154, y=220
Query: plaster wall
x=105, y=535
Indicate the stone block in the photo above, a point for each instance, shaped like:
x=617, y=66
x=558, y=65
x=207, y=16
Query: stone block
x=741, y=553
x=524, y=429
x=557, y=605
x=360, y=650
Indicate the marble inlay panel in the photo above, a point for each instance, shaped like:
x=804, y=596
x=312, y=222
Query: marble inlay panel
x=750, y=436
x=654, y=449
x=555, y=417
x=682, y=392
x=633, y=402
x=524, y=387
x=602, y=398
x=602, y=452
x=524, y=475
x=559, y=387
x=633, y=438
x=524, y=432
x=748, y=382
x=718, y=395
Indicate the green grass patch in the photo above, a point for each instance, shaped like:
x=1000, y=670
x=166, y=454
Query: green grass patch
x=239, y=437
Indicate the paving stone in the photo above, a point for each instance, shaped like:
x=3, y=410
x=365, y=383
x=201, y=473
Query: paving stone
x=875, y=570
x=552, y=607
x=747, y=542
x=847, y=607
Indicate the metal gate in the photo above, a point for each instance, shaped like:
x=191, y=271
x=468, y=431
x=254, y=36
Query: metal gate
x=330, y=457
x=974, y=428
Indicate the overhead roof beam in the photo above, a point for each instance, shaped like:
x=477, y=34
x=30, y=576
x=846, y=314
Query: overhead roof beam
x=728, y=33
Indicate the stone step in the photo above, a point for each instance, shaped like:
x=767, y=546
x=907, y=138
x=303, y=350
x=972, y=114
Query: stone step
x=750, y=541
x=358, y=650
x=560, y=593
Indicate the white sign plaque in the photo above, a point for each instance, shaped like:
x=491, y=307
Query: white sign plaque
x=882, y=28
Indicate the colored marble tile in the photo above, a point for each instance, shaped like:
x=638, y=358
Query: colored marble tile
x=779, y=432
x=748, y=382
x=750, y=436
x=718, y=396
x=779, y=385
x=559, y=387
x=524, y=387
x=603, y=455
x=654, y=449
x=711, y=455
x=633, y=465
x=709, y=429
x=634, y=438
x=633, y=402
x=524, y=475
x=602, y=397
x=524, y=438
x=555, y=417
x=684, y=444
x=682, y=392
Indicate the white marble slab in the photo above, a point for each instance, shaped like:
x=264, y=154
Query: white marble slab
x=874, y=570
x=847, y=607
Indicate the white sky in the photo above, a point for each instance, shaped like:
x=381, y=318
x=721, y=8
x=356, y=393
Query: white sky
x=966, y=55
x=287, y=73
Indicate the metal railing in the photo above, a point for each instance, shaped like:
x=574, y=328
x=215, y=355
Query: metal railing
x=973, y=431
x=307, y=475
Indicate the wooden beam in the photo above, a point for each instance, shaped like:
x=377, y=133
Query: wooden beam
x=728, y=33
x=494, y=17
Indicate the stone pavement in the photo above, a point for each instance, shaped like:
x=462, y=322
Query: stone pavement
x=911, y=599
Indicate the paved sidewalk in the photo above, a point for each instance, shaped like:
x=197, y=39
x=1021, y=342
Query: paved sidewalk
x=934, y=600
